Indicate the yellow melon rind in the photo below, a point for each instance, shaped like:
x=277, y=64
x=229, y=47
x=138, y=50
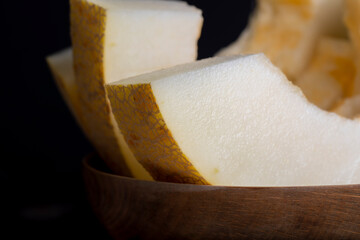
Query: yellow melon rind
x=87, y=33
x=61, y=67
x=144, y=128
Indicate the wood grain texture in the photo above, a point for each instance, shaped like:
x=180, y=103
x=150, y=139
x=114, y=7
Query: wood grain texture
x=135, y=209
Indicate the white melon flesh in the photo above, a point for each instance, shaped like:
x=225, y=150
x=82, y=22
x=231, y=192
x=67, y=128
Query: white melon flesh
x=143, y=36
x=331, y=73
x=233, y=121
x=287, y=31
x=117, y=39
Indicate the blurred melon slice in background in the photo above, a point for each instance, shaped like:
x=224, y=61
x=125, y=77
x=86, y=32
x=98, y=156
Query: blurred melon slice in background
x=352, y=21
x=287, y=31
x=349, y=107
x=117, y=39
x=62, y=69
x=233, y=121
x=331, y=73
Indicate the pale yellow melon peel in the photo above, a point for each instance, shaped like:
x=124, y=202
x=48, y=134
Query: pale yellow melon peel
x=61, y=66
x=135, y=110
x=87, y=21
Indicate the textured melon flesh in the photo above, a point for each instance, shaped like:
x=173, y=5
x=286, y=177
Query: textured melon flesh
x=331, y=73
x=61, y=65
x=135, y=29
x=349, y=107
x=236, y=121
x=116, y=39
x=287, y=31
x=352, y=20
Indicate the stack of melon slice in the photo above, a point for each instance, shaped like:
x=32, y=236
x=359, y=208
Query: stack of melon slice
x=233, y=120
x=117, y=39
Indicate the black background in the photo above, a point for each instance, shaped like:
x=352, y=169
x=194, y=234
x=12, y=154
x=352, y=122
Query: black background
x=42, y=193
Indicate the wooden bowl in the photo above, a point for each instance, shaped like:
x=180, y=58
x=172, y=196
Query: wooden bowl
x=135, y=209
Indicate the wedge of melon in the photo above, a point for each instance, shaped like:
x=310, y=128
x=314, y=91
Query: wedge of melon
x=331, y=73
x=117, y=39
x=352, y=20
x=233, y=121
x=61, y=65
x=349, y=107
x=62, y=69
x=287, y=31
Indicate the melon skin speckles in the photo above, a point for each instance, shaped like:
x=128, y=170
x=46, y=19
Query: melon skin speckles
x=87, y=29
x=233, y=121
x=117, y=39
x=148, y=136
x=61, y=65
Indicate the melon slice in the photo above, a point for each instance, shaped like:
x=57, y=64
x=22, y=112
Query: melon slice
x=349, y=107
x=233, y=121
x=352, y=21
x=62, y=69
x=287, y=31
x=61, y=65
x=331, y=73
x=117, y=39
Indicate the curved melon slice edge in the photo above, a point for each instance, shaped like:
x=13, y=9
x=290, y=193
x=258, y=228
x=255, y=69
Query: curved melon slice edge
x=236, y=121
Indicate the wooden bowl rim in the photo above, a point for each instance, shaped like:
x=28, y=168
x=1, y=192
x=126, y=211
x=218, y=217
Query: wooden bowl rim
x=87, y=165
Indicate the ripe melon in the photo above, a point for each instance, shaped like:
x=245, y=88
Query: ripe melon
x=62, y=69
x=233, y=121
x=116, y=39
x=61, y=65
